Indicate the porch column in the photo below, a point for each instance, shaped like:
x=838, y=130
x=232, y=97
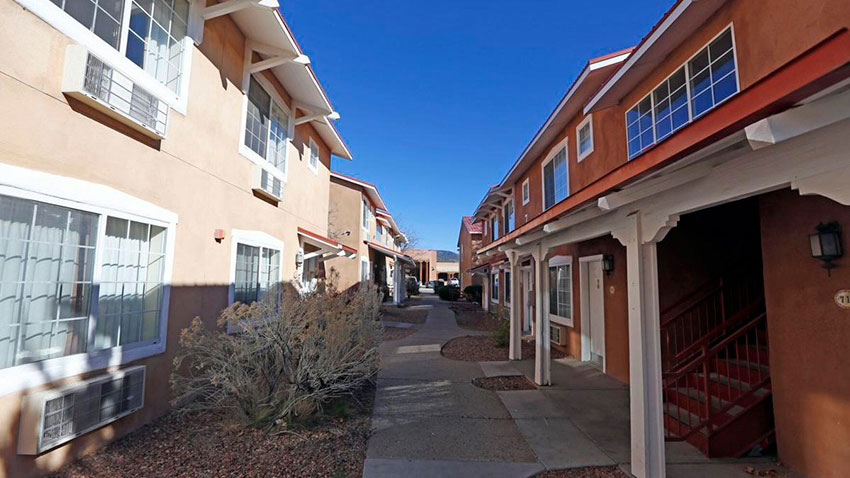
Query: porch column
x=645, y=391
x=543, y=348
x=515, y=344
x=398, y=296
x=485, y=297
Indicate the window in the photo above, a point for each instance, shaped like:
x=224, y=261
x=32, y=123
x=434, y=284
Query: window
x=526, y=193
x=314, y=156
x=310, y=272
x=584, y=135
x=378, y=236
x=555, y=184
x=507, y=287
x=51, y=257
x=494, y=227
x=494, y=287
x=707, y=79
x=266, y=126
x=364, y=269
x=712, y=74
x=509, y=216
x=151, y=35
x=560, y=289
x=367, y=212
x=257, y=272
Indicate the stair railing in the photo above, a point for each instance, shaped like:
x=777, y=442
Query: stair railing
x=723, y=375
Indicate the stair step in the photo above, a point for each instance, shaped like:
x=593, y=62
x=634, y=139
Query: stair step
x=755, y=353
x=748, y=372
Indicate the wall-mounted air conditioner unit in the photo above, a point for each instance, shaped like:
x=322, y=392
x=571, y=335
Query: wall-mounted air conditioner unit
x=266, y=184
x=99, y=85
x=55, y=416
x=558, y=335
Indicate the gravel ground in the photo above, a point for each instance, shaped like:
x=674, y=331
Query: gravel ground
x=205, y=445
x=505, y=383
x=404, y=314
x=483, y=348
x=475, y=318
x=587, y=472
x=396, y=333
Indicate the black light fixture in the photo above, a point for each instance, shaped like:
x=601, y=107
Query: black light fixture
x=826, y=244
x=607, y=263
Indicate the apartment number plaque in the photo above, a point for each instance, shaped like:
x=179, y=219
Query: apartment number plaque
x=842, y=298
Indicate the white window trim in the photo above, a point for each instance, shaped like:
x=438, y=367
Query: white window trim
x=249, y=153
x=313, y=144
x=253, y=239
x=105, y=201
x=691, y=117
x=550, y=156
x=365, y=207
x=506, y=269
x=588, y=121
x=65, y=23
x=525, y=192
x=555, y=262
x=494, y=280
x=364, y=262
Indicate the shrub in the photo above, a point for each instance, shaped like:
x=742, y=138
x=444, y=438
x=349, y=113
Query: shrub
x=450, y=293
x=280, y=363
x=502, y=335
x=474, y=292
x=412, y=286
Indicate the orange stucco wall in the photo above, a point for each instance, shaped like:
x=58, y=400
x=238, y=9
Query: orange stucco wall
x=808, y=334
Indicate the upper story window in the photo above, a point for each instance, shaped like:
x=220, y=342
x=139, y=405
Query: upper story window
x=707, y=79
x=584, y=138
x=555, y=179
x=526, y=192
x=314, y=156
x=509, y=216
x=151, y=35
x=366, y=214
x=266, y=126
x=494, y=227
x=378, y=231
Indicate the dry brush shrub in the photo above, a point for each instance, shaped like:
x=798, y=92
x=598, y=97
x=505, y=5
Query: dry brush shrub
x=279, y=364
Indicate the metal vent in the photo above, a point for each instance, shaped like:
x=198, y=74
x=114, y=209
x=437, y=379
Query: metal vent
x=93, y=81
x=53, y=417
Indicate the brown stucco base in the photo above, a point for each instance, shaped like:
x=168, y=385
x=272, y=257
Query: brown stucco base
x=809, y=335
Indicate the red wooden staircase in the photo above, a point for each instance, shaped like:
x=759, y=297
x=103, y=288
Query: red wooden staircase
x=716, y=368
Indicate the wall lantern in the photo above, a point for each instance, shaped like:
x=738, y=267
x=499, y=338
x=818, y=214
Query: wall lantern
x=826, y=244
x=608, y=263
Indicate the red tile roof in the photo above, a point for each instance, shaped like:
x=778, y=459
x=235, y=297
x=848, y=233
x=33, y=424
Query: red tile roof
x=472, y=227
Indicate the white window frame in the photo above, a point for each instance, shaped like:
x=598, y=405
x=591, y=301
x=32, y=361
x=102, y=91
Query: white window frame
x=526, y=192
x=550, y=156
x=655, y=141
x=365, y=265
x=65, y=23
x=254, y=239
x=365, y=213
x=555, y=262
x=494, y=283
x=505, y=286
x=249, y=153
x=508, y=202
x=107, y=202
x=313, y=145
x=588, y=121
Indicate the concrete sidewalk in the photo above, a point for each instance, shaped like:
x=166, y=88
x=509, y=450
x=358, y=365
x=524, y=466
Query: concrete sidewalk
x=429, y=420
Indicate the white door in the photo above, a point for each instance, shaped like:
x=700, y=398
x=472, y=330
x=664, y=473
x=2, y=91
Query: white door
x=593, y=298
x=529, y=300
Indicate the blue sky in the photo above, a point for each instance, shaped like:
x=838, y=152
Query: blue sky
x=439, y=97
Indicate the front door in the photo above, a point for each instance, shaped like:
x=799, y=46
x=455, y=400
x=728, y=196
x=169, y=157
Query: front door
x=593, y=298
x=527, y=311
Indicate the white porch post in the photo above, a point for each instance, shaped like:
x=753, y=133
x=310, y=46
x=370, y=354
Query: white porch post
x=645, y=391
x=515, y=348
x=485, y=297
x=542, y=356
x=398, y=292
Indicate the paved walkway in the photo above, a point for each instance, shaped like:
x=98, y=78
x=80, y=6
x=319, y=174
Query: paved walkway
x=429, y=420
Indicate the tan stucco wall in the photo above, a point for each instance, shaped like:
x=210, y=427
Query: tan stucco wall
x=346, y=215
x=196, y=172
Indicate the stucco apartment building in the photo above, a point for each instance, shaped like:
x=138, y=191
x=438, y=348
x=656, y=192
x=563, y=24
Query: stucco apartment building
x=431, y=264
x=678, y=222
x=468, y=243
x=158, y=161
x=359, y=220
